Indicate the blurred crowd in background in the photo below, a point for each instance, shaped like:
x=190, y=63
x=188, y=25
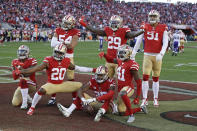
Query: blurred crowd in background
x=22, y=15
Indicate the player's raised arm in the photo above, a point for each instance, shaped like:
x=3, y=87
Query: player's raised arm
x=92, y=29
x=54, y=41
x=133, y=34
x=34, y=69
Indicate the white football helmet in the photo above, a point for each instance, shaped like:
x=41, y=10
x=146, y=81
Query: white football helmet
x=124, y=52
x=23, y=52
x=153, y=17
x=68, y=22
x=115, y=22
x=101, y=74
x=59, y=52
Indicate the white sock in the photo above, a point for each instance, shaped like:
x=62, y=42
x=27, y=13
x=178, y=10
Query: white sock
x=155, y=89
x=24, y=93
x=53, y=98
x=36, y=99
x=145, y=88
x=72, y=108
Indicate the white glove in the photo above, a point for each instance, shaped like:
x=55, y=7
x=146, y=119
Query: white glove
x=85, y=102
x=91, y=100
x=159, y=57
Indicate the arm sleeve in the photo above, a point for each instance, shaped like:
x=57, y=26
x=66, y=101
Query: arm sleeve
x=165, y=43
x=83, y=69
x=54, y=42
x=137, y=45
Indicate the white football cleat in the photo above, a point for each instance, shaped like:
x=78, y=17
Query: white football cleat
x=156, y=102
x=144, y=102
x=144, y=109
x=99, y=114
x=31, y=111
x=51, y=102
x=24, y=107
x=131, y=119
x=63, y=110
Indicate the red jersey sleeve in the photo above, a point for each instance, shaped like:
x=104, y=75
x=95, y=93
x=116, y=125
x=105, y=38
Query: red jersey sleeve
x=134, y=66
x=34, y=62
x=46, y=60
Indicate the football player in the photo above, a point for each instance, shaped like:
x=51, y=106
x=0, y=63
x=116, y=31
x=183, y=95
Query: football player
x=68, y=35
x=156, y=42
x=117, y=35
x=56, y=67
x=127, y=70
x=176, y=42
x=103, y=88
x=27, y=83
x=182, y=41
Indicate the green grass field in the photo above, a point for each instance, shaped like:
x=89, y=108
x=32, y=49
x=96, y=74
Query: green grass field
x=180, y=68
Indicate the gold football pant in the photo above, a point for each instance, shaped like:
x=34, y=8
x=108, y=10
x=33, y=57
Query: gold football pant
x=111, y=69
x=150, y=64
x=17, y=98
x=121, y=106
x=68, y=86
x=70, y=73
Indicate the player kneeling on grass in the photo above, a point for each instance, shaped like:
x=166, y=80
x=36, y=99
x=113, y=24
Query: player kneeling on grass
x=126, y=71
x=27, y=83
x=103, y=88
x=56, y=67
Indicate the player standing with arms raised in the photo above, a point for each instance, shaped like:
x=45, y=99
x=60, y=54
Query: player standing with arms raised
x=117, y=35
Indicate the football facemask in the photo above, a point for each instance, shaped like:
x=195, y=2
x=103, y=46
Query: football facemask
x=59, y=52
x=115, y=22
x=153, y=17
x=23, y=52
x=124, y=52
x=68, y=22
x=101, y=74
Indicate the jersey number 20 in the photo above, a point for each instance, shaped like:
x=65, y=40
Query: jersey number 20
x=58, y=74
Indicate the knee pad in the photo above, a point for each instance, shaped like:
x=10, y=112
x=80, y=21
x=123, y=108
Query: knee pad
x=155, y=79
x=23, y=84
x=145, y=77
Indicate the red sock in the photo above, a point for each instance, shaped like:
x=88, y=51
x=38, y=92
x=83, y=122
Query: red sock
x=136, y=110
x=78, y=103
x=127, y=102
x=106, y=105
x=53, y=95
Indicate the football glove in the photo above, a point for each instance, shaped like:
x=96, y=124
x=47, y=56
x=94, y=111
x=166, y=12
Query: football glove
x=82, y=22
x=136, y=101
x=101, y=54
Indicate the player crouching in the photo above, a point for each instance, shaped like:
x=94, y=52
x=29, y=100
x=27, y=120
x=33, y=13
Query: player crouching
x=27, y=83
x=103, y=88
x=127, y=70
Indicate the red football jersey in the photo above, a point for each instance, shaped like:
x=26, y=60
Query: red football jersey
x=125, y=78
x=115, y=40
x=101, y=88
x=28, y=63
x=56, y=70
x=153, y=38
x=66, y=36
